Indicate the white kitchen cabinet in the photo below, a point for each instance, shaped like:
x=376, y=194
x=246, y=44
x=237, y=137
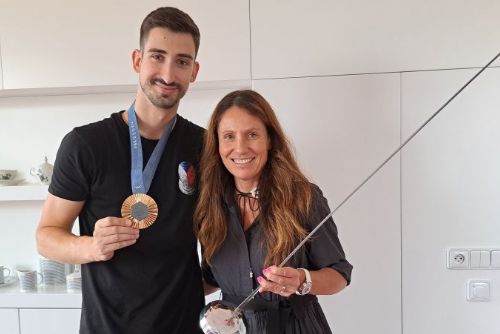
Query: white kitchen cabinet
x=9, y=321
x=49, y=321
x=342, y=128
x=450, y=196
x=57, y=44
x=294, y=38
x=49, y=310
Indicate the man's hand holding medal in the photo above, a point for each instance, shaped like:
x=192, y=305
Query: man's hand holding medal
x=111, y=234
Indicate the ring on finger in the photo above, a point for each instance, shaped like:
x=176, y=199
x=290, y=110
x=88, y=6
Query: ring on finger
x=283, y=288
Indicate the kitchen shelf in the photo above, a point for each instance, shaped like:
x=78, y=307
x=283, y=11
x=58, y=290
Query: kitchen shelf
x=23, y=193
x=45, y=297
x=114, y=89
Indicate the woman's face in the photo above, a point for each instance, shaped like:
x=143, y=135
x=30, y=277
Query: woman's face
x=243, y=146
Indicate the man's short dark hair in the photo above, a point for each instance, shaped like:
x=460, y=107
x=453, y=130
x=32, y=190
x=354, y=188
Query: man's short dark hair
x=174, y=20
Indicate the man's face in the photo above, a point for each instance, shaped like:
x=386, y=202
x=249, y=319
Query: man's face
x=166, y=65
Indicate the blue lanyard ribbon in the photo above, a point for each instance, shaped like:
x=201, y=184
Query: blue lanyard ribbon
x=141, y=179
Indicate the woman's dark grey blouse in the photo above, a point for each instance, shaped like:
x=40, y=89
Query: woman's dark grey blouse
x=240, y=260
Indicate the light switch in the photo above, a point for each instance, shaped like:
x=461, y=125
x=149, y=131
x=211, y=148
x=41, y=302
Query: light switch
x=478, y=291
x=475, y=259
x=485, y=259
x=495, y=259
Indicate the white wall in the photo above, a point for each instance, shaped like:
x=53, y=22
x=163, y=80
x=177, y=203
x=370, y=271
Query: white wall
x=398, y=233
x=441, y=192
x=450, y=199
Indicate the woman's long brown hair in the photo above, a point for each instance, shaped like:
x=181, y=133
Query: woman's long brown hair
x=284, y=191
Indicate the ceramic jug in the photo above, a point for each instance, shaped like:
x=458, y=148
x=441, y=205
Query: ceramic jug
x=43, y=173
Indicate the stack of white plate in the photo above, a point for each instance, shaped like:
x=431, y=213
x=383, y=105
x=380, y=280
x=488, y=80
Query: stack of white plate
x=53, y=272
x=74, y=282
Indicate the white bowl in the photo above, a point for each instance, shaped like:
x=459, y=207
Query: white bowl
x=7, y=174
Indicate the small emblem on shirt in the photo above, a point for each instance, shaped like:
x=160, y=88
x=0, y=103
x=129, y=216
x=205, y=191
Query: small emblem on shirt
x=187, y=178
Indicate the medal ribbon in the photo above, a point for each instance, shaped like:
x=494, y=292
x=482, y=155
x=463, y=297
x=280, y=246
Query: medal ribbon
x=141, y=179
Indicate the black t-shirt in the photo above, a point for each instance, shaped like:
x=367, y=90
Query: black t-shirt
x=153, y=286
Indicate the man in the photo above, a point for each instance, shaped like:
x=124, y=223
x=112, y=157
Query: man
x=141, y=274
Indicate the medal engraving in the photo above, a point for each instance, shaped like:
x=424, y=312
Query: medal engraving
x=141, y=209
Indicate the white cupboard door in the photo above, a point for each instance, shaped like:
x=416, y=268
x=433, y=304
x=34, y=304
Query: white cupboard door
x=49, y=321
x=449, y=199
x=295, y=38
x=9, y=321
x=342, y=129
x=89, y=43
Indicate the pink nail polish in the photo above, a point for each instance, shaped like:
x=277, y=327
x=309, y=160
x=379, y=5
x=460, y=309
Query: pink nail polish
x=265, y=271
x=260, y=279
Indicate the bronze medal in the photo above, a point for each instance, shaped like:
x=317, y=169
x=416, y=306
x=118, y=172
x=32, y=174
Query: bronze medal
x=141, y=209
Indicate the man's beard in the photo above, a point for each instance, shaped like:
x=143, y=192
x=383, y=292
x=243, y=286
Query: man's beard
x=161, y=101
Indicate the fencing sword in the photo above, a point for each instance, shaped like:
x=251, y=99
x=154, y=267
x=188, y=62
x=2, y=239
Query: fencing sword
x=220, y=317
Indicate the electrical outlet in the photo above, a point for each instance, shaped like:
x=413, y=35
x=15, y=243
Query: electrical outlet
x=458, y=259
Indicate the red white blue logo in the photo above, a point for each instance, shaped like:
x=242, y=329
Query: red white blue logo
x=187, y=178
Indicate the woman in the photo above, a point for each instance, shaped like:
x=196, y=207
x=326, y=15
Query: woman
x=255, y=206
